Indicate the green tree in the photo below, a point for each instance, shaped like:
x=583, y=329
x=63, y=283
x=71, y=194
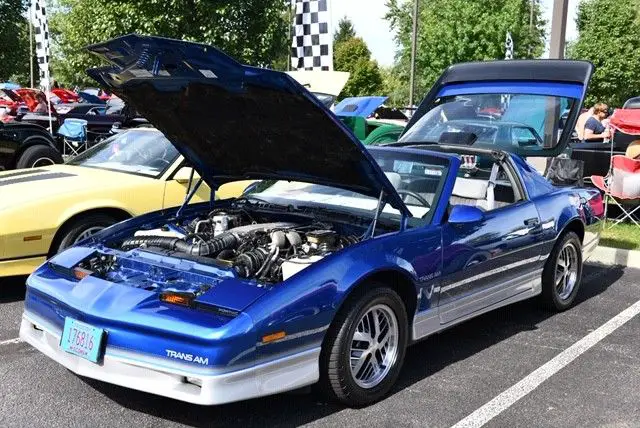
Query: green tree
x=14, y=41
x=609, y=36
x=451, y=31
x=252, y=31
x=394, y=87
x=344, y=32
x=353, y=56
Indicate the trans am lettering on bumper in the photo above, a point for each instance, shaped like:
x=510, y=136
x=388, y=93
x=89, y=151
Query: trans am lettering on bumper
x=187, y=357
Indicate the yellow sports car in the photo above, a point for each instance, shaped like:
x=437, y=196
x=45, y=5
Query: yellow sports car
x=44, y=210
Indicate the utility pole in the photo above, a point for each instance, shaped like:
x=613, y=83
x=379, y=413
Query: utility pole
x=414, y=39
x=558, y=28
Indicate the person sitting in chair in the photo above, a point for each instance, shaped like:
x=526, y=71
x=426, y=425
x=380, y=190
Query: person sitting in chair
x=593, y=127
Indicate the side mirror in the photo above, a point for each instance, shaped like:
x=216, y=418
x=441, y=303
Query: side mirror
x=183, y=174
x=463, y=214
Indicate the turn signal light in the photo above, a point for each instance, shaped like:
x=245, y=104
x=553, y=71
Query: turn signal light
x=273, y=336
x=177, y=298
x=80, y=273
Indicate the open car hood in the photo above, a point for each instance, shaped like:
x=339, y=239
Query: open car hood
x=358, y=106
x=11, y=95
x=234, y=122
x=542, y=95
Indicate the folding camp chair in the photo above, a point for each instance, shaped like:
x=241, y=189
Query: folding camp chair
x=74, y=134
x=622, y=187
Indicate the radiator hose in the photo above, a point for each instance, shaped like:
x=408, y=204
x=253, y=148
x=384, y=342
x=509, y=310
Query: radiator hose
x=214, y=246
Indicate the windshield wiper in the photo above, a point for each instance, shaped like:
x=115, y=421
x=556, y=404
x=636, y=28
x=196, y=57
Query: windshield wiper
x=254, y=201
x=411, y=143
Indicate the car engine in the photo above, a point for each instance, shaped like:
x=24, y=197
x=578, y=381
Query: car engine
x=262, y=250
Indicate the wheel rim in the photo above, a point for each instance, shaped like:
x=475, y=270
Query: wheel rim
x=566, y=271
x=88, y=232
x=42, y=162
x=374, y=346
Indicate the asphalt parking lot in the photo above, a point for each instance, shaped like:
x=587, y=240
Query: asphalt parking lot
x=448, y=378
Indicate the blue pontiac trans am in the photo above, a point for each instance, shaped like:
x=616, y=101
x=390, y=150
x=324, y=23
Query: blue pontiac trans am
x=338, y=257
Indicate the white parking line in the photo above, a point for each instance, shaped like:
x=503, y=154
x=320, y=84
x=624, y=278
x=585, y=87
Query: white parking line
x=10, y=341
x=506, y=399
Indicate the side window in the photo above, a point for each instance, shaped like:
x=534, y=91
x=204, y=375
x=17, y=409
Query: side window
x=523, y=136
x=476, y=188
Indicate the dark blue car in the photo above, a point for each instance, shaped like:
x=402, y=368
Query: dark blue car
x=339, y=259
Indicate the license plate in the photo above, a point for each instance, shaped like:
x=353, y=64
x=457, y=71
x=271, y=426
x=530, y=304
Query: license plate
x=82, y=339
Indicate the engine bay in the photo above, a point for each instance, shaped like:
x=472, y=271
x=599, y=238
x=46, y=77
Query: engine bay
x=255, y=247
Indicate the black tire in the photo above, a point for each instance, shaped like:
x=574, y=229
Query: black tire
x=551, y=296
x=39, y=155
x=74, y=230
x=336, y=380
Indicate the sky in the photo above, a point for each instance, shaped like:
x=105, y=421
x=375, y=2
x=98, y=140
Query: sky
x=368, y=20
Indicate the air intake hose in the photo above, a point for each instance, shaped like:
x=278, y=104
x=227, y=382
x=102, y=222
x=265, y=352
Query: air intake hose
x=150, y=241
x=214, y=246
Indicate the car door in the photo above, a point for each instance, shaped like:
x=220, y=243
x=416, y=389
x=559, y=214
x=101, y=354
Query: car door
x=489, y=261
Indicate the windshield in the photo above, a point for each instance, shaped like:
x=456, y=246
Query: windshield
x=512, y=122
x=136, y=151
x=418, y=179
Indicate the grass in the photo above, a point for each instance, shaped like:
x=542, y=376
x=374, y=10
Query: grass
x=624, y=235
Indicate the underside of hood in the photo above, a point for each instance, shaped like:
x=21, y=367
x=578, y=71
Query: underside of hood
x=237, y=122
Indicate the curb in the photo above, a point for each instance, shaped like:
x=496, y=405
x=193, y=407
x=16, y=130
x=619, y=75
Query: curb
x=615, y=256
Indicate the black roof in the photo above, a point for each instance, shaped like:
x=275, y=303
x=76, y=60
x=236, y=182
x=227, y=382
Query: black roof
x=558, y=70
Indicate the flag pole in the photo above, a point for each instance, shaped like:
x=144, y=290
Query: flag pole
x=31, y=44
x=289, y=40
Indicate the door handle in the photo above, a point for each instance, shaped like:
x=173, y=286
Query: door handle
x=534, y=225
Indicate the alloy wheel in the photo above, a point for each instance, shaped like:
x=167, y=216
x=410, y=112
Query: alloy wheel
x=87, y=233
x=566, y=271
x=374, y=346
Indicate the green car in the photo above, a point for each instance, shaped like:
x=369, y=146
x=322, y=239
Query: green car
x=354, y=113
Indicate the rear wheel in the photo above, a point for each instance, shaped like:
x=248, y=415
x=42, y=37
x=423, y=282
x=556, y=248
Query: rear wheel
x=562, y=273
x=365, y=347
x=38, y=156
x=83, y=228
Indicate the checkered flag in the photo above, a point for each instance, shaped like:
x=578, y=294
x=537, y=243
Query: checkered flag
x=41, y=29
x=508, y=54
x=312, y=44
x=508, y=46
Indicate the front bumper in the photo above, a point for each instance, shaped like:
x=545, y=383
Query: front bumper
x=215, y=386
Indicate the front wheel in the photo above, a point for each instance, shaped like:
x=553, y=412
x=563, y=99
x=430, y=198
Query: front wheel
x=562, y=273
x=83, y=228
x=365, y=347
x=37, y=156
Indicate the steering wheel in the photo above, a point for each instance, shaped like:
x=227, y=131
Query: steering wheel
x=415, y=196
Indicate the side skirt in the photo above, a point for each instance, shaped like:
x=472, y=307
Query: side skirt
x=429, y=322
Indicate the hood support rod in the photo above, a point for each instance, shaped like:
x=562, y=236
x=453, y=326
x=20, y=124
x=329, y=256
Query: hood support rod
x=189, y=193
x=381, y=203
